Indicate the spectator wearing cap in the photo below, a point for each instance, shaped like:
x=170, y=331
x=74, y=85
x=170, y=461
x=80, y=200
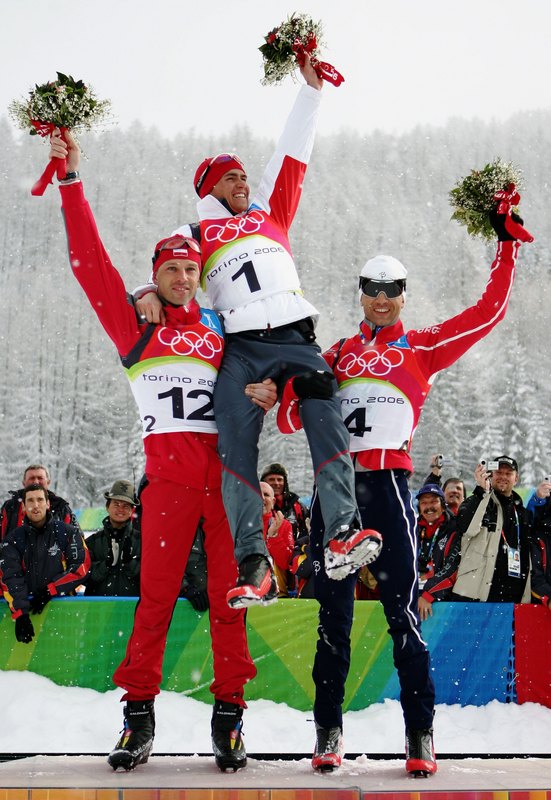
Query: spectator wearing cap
x=438, y=548
x=494, y=529
x=454, y=488
x=115, y=549
x=293, y=510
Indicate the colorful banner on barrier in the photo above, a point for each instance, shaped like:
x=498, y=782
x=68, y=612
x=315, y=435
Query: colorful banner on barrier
x=470, y=646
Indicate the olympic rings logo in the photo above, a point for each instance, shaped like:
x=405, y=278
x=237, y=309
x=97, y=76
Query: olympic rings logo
x=372, y=361
x=231, y=229
x=186, y=343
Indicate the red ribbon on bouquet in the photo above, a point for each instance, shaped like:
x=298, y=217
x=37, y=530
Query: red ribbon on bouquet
x=508, y=198
x=322, y=68
x=58, y=165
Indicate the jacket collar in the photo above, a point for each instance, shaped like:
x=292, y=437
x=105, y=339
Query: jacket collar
x=182, y=315
x=211, y=208
x=388, y=333
x=30, y=526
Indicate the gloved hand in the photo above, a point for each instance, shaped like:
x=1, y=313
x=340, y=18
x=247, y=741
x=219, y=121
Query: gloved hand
x=40, y=601
x=198, y=598
x=318, y=384
x=505, y=222
x=24, y=630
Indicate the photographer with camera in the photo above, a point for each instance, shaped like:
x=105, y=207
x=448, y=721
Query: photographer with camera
x=494, y=529
x=454, y=488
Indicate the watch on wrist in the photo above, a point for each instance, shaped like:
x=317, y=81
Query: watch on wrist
x=70, y=176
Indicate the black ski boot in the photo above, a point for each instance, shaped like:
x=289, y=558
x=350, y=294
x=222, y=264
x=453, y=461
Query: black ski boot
x=328, y=750
x=227, y=741
x=136, y=740
x=256, y=584
x=420, y=758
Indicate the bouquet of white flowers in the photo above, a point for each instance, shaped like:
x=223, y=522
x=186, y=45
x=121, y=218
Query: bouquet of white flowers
x=474, y=197
x=64, y=103
x=287, y=45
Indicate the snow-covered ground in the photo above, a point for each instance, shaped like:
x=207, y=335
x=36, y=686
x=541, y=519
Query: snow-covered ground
x=40, y=717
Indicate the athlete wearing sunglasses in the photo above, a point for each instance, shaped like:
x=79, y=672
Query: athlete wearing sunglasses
x=384, y=375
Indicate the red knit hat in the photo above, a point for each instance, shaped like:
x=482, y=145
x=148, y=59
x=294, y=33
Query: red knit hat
x=210, y=171
x=176, y=247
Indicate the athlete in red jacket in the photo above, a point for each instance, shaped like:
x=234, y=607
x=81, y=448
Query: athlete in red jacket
x=172, y=371
x=384, y=375
x=251, y=278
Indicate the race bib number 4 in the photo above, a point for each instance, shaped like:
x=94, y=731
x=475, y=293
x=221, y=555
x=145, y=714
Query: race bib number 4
x=377, y=416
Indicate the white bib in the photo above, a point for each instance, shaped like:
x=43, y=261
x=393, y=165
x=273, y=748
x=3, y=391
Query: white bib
x=246, y=270
x=171, y=399
x=377, y=415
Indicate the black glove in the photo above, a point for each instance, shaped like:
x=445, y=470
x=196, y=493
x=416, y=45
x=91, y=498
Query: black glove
x=198, y=598
x=24, y=630
x=40, y=601
x=319, y=385
x=509, y=227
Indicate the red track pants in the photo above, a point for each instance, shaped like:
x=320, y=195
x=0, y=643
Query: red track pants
x=170, y=516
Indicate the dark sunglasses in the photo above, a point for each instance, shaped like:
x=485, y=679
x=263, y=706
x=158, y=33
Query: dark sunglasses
x=373, y=288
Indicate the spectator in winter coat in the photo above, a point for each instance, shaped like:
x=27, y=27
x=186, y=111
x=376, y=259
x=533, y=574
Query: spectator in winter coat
x=494, y=529
x=286, y=501
x=539, y=511
x=437, y=547
x=454, y=488
x=116, y=548
x=278, y=534
x=12, y=512
x=292, y=509
x=41, y=559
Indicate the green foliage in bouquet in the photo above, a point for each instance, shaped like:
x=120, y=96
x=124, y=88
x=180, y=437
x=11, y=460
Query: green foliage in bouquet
x=63, y=103
x=473, y=197
x=278, y=50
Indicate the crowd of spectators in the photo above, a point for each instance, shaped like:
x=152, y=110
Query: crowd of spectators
x=483, y=546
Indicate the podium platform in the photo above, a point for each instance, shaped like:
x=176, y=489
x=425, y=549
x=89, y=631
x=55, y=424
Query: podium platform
x=197, y=778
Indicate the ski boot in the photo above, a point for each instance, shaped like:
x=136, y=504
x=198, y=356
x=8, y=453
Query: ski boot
x=351, y=549
x=136, y=741
x=256, y=584
x=329, y=748
x=227, y=741
x=420, y=758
